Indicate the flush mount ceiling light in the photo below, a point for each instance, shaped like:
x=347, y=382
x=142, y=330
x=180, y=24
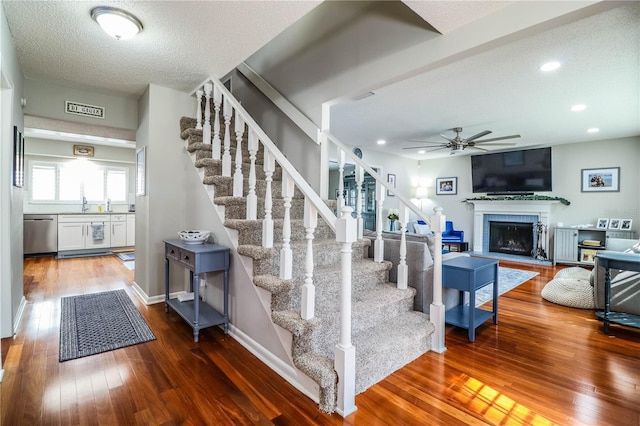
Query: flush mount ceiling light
x=381, y=142
x=550, y=66
x=578, y=107
x=118, y=23
x=593, y=130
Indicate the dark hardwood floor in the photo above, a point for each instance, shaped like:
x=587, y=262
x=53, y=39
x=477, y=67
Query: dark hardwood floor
x=542, y=364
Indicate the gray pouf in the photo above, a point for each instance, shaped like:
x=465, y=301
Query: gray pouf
x=569, y=292
x=574, y=272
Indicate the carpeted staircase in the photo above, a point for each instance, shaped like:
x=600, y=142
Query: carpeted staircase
x=386, y=332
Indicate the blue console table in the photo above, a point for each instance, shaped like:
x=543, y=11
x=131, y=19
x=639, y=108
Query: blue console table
x=616, y=260
x=469, y=274
x=198, y=259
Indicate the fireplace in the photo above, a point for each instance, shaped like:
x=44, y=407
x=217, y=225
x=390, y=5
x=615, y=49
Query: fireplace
x=533, y=213
x=511, y=238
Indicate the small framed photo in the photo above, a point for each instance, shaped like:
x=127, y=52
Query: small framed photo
x=588, y=255
x=615, y=223
x=603, y=223
x=601, y=180
x=83, y=150
x=447, y=186
x=391, y=179
x=625, y=224
x=18, y=158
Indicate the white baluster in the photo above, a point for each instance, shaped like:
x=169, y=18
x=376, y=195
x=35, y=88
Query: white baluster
x=340, y=200
x=403, y=269
x=252, y=198
x=199, y=109
x=378, y=246
x=286, y=255
x=238, y=177
x=267, y=222
x=345, y=352
x=359, y=182
x=226, y=156
x=437, y=309
x=308, y=289
x=206, y=131
x=217, y=100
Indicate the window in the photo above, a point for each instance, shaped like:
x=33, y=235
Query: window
x=68, y=182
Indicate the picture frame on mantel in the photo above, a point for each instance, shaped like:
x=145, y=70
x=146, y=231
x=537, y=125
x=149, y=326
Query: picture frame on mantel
x=601, y=180
x=447, y=186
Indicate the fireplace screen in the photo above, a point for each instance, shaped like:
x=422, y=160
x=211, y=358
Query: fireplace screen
x=511, y=238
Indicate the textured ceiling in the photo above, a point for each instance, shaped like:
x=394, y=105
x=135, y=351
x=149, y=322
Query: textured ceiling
x=504, y=91
x=182, y=43
x=446, y=16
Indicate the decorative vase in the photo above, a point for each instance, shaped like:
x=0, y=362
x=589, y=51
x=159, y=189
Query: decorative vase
x=392, y=225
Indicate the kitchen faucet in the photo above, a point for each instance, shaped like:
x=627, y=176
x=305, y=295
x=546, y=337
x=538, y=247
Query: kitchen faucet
x=85, y=206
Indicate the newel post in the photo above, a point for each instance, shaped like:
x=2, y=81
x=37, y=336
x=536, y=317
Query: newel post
x=437, y=309
x=378, y=247
x=403, y=269
x=345, y=361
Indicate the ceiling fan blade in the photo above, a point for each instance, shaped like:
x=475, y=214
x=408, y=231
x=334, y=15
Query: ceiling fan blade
x=498, y=139
x=478, y=135
x=425, y=141
x=450, y=140
x=442, y=145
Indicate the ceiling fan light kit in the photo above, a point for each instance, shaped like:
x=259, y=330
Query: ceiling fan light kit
x=458, y=144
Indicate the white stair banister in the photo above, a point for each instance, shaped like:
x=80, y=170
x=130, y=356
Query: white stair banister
x=378, y=247
x=206, y=130
x=403, y=269
x=437, y=309
x=199, y=109
x=340, y=199
x=226, y=156
x=252, y=198
x=286, y=255
x=238, y=178
x=345, y=352
x=359, y=183
x=308, y=289
x=267, y=222
x=217, y=100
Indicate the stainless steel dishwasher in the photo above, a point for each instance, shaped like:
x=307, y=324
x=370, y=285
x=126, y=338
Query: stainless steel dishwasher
x=40, y=233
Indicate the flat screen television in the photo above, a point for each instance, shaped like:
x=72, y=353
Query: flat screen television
x=514, y=172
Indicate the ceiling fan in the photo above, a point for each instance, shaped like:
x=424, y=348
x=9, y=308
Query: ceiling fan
x=459, y=144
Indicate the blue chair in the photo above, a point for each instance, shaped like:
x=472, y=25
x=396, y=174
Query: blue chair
x=450, y=235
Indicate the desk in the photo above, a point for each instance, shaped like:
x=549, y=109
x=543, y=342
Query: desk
x=197, y=258
x=627, y=262
x=470, y=274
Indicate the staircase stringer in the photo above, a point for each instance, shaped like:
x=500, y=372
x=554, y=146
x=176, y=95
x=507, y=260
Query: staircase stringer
x=286, y=368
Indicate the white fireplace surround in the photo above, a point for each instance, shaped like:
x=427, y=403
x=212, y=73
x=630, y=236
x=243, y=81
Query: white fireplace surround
x=539, y=208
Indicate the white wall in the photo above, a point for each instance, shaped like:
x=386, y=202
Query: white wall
x=11, y=288
x=47, y=100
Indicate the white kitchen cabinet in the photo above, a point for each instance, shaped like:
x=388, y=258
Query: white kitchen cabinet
x=76, y=232
x=131, y=230
x=118, y=230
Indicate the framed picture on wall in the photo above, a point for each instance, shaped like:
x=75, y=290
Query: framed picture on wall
x=391, y=179
x=601, y=180
x=603, y=223
x=18, y=158
x=625, y=224
x=447, y=186
x=615, y=223
x=141, y=171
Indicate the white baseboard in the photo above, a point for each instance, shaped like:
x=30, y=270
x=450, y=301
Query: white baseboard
x=152, y=300
x=296, y=378
x=19, y=313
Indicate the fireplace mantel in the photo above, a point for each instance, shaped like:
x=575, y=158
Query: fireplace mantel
x=539, y=208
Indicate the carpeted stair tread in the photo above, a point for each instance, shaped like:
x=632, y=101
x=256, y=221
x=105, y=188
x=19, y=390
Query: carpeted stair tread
x=272, y=284
x=389, y=346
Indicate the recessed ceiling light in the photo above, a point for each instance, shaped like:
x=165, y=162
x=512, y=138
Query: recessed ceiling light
x=579, y=107
x=422, y=151
x=118, y=23
x=381, y=141
x=550, y=66
x=593, y=130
